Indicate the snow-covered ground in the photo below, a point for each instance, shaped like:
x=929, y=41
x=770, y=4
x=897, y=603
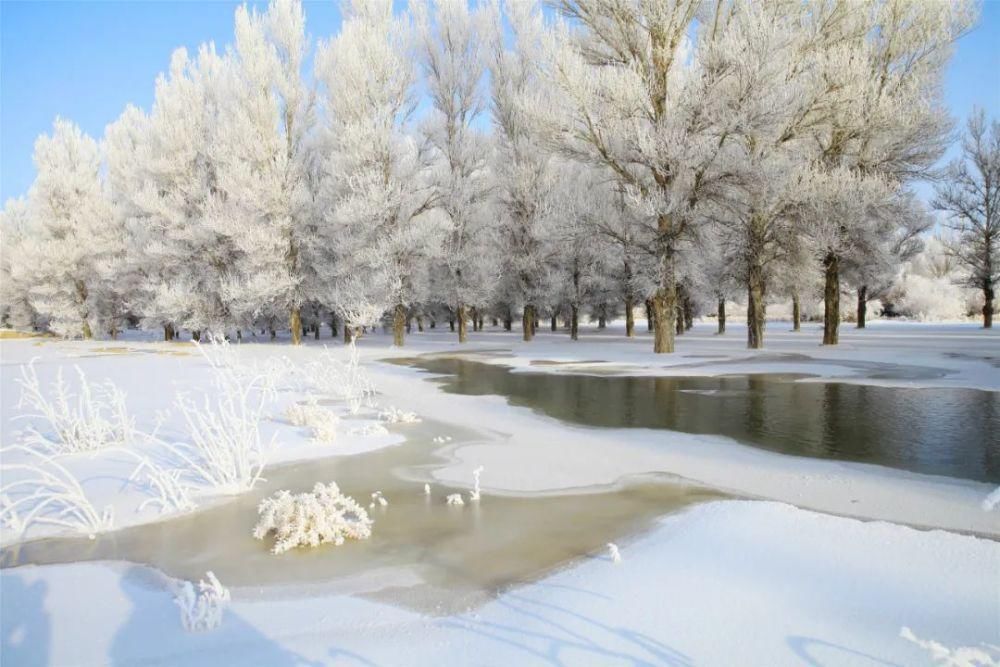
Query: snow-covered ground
x=759, y=582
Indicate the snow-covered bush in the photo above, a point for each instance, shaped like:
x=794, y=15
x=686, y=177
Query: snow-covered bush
x=393, y=415
x=614, y=553
x=963, y=656
x=311, y=519
x=454, y=499
x=91, y=417
x=347, y=381
x=226, y=450
x=929, y=298
x=322, y=422
x=46, y=493
x=202, y=610
x=992, y=500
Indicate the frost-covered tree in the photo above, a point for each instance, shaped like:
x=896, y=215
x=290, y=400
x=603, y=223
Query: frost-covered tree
x=887, y=121
x=635, y=98
x=375, y=170
x=75, y=233
x=162, y=176
x=524, y=170
x=970, y=197
x=259, y=150
x=452, y=54
x=16, y=270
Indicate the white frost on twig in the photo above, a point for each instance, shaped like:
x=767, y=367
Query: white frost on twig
x=474, y=496
x=616, y=556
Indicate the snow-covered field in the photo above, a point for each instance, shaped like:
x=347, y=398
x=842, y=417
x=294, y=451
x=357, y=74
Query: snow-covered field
x=783, y=581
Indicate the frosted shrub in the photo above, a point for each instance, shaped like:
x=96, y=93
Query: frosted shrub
x=963, y=656
x=310, y=519
x=166, y=485
x=226, y=450
x=90, y=418
x=614, y=553
x=348, y=381
x=393, y=415
x=46, y=493
x=322, y=422
x=202, y=609
x=218, y=352
x=454, y=499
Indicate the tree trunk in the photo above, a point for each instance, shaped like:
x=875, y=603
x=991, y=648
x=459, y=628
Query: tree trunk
x=451, y=323
x=862, y=305
x=988, y=306
x=756, y=310
x=420, y=323
x=295, y=324
x=196, y=336
x=316, y=331
x=649, y=314
x=462, y=329
x=480, y=321
x=433, y=323
x=722, y=316
x=495, y=322
x=274, y=334
x=796, y=313
x=664, y=312
x=629, y=319
x=574, y=322
x=688, y=313
x=831, y=299
x=508, y=322
x=679, y=320
x=168, y=332
x=528, y=322
x=555, y=325
x=398, y=324
x=348, y=335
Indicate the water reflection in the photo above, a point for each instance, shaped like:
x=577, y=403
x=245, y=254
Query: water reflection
x=943, y=431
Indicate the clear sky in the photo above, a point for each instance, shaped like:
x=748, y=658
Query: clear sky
x=85, y=61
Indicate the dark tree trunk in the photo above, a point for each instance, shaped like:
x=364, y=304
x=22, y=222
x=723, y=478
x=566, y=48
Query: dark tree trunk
x=480, y=321
x=528, y=322
x=433, y=323
x=508, y=322
x=316, y=331
x=796, y=313
x=722, y=316
x=574, y=322
x=688, y=313
x=451, y=323
x=196, y=336
x=495, y=322
x=239, y=335
x=664, y=316
x=862, y=306
x=295, y=324
x=462, y=328
x=650, y=312
x=398, y=325
x=831, y=299
x=273, y=333
x=168, y=332
x=555, y=324
x=756, y=308
x=348, y=334
x=988, y=306
x=333, y=326
x=679, y=320
x=629, y=319
x=420, y=323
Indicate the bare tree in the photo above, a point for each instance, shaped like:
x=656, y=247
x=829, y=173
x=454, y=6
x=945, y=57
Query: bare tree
x=971, y=198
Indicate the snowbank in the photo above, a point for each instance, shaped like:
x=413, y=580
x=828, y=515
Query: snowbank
x=723, y=583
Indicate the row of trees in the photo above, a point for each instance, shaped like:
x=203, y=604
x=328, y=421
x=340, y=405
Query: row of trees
x=454, y=163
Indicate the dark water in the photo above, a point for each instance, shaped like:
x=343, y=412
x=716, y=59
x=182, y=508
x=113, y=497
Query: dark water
x=940, y=431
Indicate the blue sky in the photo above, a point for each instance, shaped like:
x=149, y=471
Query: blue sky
x=86, y=60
